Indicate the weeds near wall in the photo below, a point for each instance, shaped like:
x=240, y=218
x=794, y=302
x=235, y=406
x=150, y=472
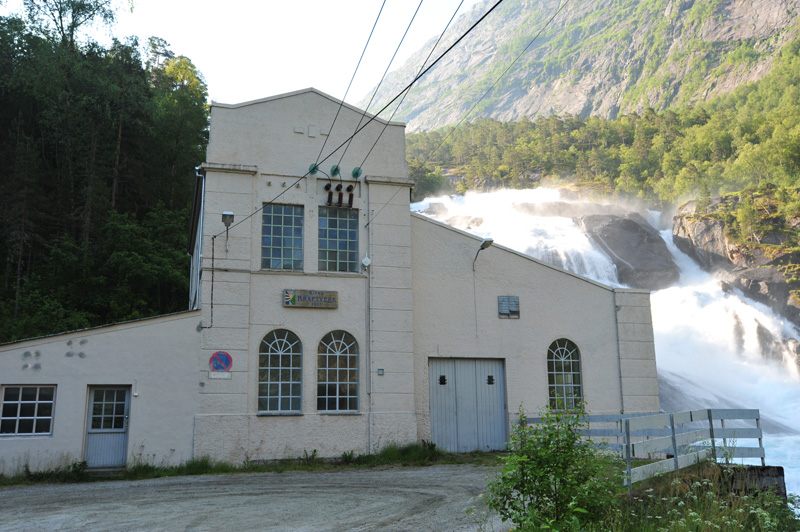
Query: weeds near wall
x=552, y=478
x=413, y=454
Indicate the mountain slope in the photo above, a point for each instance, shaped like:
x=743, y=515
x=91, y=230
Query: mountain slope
x=597, y=57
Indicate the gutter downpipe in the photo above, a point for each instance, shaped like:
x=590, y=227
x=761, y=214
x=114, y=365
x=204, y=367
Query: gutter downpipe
x=617, y=308
x=368, y=328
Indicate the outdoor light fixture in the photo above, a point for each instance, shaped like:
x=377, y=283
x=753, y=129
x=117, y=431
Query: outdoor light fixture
x=227, y=219
x=485, y=244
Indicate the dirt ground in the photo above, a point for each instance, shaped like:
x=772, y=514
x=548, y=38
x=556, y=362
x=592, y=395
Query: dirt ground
x=396, y=499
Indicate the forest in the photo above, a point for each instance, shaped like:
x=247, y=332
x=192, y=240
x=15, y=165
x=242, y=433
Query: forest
x=98, y=145
x=726, y=144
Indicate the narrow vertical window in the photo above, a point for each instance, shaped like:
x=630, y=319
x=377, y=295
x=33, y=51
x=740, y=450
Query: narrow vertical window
x=564, y=375
x=337, y=372
x=338, y=239
x=280, y=368
x=282, y=237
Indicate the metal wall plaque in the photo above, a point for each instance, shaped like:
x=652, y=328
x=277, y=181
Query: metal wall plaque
x=310, y=298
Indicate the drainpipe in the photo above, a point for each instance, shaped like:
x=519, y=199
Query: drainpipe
x=617, y=308
x=368, y=328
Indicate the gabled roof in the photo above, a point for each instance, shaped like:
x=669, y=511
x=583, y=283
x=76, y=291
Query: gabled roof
x=304, y=91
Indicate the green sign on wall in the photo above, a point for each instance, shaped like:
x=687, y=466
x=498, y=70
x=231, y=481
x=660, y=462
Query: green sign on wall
x=310, y=298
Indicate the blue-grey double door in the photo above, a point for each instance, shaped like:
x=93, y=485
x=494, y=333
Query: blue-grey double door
x=468, y=404
x=107, y=426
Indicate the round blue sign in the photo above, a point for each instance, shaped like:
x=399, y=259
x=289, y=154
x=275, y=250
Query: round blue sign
x=220, y=361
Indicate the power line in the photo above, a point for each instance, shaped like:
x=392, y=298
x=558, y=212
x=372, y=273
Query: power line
x=385, y=125
x=378, y=113
x=502, y=75
x=341, y=103
x=403, y=38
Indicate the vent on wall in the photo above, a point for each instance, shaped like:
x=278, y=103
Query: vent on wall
x=508, y=307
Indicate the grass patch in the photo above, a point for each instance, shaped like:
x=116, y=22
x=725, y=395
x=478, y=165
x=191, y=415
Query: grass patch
x=413, y=454
x=702, y=498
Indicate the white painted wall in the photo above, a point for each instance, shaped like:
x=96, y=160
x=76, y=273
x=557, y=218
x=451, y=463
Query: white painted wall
x=154, y=357
x=260, y=152
x=455, y=315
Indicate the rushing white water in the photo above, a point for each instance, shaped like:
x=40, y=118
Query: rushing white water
x=709, y=341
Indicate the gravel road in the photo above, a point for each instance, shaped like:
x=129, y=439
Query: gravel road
x=395, y=499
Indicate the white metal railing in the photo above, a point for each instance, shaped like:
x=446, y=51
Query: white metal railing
x=684, y=438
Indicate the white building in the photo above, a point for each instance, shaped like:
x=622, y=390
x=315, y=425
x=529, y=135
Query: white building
x=329, y=318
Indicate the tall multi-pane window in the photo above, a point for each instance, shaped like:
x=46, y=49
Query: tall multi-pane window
x=338, y=239
x=27, y=410
x=282, y=237
x=337, y=372
x=280, y=368
x=564, y=375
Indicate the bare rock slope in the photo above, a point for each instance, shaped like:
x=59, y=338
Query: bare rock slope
x=595, y=58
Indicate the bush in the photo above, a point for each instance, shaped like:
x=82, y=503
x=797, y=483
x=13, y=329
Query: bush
x=552, y=479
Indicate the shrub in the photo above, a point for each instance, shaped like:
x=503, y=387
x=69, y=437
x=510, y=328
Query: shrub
x=552, y=479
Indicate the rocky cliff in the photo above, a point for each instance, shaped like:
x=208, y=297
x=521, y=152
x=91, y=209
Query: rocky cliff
x=636, y=248
x=764, y=274
x=594, y=58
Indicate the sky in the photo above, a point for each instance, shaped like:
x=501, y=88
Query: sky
x=251, y=49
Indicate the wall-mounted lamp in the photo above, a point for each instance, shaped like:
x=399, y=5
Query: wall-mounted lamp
x=485, y=244
x=227, y=219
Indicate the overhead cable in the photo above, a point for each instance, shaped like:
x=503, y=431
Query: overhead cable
x=560, y=8
x=386, y=124
x=341, y=103
x=373, y=117
x=377, y=88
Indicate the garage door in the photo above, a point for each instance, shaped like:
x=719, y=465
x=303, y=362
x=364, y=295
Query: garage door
x=468, y=404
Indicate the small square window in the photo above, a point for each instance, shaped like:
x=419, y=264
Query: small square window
x=508, y=307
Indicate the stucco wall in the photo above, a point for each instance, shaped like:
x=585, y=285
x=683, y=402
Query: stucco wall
x=259, y=153
x=455, y=315
x=153, y=357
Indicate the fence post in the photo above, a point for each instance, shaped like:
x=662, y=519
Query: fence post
x=674, y=441
x=628, y=451
x=760, y=439
x=725, y=451
x=711, y=433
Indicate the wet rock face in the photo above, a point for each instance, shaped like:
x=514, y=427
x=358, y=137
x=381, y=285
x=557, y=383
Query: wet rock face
x=703, y=240
x=747, y=269
x=637, y=249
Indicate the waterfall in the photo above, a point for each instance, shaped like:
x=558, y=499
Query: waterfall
x=714, y=348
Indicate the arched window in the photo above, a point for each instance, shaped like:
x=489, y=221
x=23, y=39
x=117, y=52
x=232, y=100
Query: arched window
x=280, y=368
x=564, y=375
x=337, y=372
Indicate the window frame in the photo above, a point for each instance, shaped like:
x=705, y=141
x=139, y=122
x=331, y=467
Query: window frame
x=566, y=395
x=331, y=257
x=20, y=401
x=292, y=384
x=339, y=346
x=293, y=232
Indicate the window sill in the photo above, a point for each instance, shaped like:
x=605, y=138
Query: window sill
x=26, y=435
x=271, y=414
x=311, y=274
x=338, y=413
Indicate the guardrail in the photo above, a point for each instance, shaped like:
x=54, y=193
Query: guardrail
x=684, y=438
